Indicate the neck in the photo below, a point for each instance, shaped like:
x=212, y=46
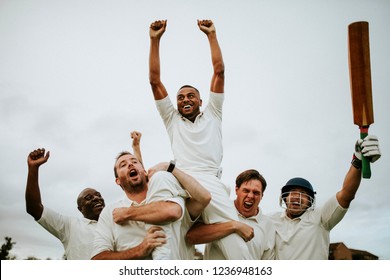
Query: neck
x=136, y=196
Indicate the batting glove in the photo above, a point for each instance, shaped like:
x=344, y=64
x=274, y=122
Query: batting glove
x=368, y=147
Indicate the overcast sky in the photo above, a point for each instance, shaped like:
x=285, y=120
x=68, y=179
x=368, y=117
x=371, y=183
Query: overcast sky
x=74, y=80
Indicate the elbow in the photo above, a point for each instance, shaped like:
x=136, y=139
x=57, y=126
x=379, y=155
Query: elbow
x=154, y=78
x=173, y=213
x=190, y=239
x=155, y=84
x=35, y=212
x=206, y=200
x=344, y=199
x=219, y=69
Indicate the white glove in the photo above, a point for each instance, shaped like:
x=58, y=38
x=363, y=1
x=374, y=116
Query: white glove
x=368, y=147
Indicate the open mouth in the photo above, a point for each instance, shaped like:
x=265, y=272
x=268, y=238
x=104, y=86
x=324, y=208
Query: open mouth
x=133, y=173
x=186, y=107
x=98, y=205
x=248, y=205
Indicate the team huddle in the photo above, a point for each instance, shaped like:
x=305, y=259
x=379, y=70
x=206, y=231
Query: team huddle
x=169, y=208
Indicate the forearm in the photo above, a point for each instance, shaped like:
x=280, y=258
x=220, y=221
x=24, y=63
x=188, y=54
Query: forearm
x=192, y=186
x=218, y=79
x=33, y=195
x=205, y=233
x=216, y=54
x=350, y=186
x=135, y=253
x=154, y=60
x=137, y=153
x=159, y=91
x=156, y=213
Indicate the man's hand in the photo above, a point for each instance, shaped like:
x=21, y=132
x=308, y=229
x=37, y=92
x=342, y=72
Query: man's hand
x=120, y=215
x=207, y=26
x=157, y=28
x=154, y=237
x=368, y=147
x=136, y=136
x=37, y=157
x=245, y=231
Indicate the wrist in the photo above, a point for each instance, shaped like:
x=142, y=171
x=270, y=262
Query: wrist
x=171, y=166
x=356, y=162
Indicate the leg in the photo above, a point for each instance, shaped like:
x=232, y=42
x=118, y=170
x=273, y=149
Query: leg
x=222, y=209
x=164, y=187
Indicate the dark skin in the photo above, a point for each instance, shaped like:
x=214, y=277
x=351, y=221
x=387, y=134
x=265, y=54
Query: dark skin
x=90, y=203
x=188, y=99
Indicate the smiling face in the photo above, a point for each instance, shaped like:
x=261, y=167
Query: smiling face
x=130, y=174
x=249, y=195
x=90, y=203
x=297, y=201
x=188, y=102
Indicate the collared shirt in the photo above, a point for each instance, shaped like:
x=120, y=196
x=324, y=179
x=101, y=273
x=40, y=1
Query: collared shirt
x=75, y=234
x=110, y=236
x=261, y=246
x=197, y=146
x=307, y=237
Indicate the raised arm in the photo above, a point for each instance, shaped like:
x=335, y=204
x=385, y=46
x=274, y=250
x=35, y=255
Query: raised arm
x=218, y=79
x=204, y=233
x=369, y=148
x=154, y=237
x=34, y=204
x=199, y=196
x=136, y=136
x=156, y=30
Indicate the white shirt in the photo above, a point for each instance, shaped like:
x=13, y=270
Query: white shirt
x=113, y=237
x=307, y=237
x=261, y=246
x=75, y=234
x=186, y=250
x=197, y=146
x=110, y=236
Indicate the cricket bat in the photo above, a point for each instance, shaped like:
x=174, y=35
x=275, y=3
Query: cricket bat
x=360, y=80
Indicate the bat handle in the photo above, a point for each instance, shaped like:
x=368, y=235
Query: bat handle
x=366, y=170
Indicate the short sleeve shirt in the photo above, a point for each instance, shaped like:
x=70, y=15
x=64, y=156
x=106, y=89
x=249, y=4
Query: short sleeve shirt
x=262, y=245
x=75, y=234
x=307, y=237
x=197, y=146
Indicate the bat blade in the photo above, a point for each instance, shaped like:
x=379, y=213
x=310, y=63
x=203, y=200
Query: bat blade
x=360, y=80
x=360, y=73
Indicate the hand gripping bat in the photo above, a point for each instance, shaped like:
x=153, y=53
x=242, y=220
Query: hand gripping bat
x=360, y=80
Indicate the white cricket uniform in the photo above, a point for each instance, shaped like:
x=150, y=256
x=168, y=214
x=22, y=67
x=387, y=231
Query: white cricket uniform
x=261, y=246
x=307, y=237
x=197, y=148
x=163, y=186
x=186, y=250
x=113, y=237
x=75, y=234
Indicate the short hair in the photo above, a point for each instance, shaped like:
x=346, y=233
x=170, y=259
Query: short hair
x=189, y=86
x=250, y=174
x=123, y=153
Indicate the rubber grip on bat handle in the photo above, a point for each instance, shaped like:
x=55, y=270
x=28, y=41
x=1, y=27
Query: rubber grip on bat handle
x=366, y=170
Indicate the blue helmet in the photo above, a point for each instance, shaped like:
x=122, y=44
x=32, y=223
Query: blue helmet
x=299, y=182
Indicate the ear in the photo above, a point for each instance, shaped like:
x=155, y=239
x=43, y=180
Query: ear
x=117, y=181
x=200, y=102
x=80, y=208
x=237, y=189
